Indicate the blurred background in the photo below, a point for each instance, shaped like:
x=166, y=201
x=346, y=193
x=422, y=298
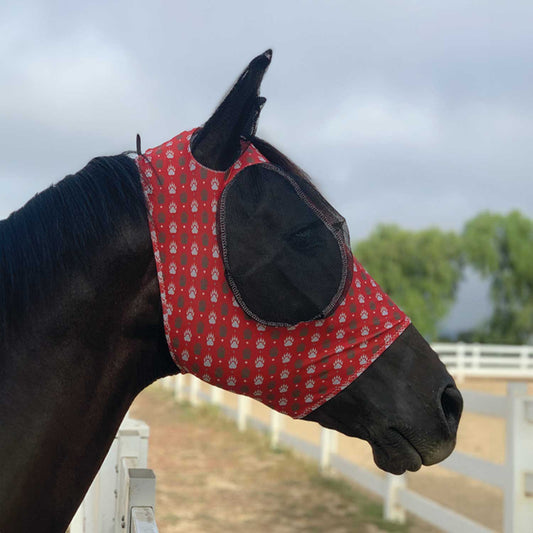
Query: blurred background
x=415, y=119
x=409, y=114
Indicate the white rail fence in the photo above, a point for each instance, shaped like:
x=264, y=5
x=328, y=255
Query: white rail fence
x=486, y=360
x=121, y=498
x=514, y=477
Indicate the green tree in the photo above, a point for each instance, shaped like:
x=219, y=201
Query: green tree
x=420, y=270
x=500, y=248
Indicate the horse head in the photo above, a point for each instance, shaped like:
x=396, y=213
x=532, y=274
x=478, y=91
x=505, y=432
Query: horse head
x=266, y=272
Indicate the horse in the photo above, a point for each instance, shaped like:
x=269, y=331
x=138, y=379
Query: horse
x=84, y=320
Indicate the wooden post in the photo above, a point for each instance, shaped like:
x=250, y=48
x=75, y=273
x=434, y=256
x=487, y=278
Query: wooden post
x=325, y=448
x=193, y=390
x=460, y=363
x=243, y=409
x=275, y=428
x=392, y=509
x=518, y=502
x=216, y=395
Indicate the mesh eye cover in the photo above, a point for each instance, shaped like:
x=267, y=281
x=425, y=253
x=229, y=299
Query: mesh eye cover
x=285, y=259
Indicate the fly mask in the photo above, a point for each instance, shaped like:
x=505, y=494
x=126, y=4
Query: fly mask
x=224, y=320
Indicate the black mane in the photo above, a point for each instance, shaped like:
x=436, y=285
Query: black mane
x=58, y=229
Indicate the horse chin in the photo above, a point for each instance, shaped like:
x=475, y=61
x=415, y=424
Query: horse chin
x=396, y=454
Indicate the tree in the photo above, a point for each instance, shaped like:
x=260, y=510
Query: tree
x=420, y=270
x=500, y=247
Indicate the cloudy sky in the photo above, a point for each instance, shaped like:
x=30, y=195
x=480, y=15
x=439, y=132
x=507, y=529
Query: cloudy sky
x=413, y=112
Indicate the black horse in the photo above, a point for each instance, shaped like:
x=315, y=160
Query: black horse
x=81, y=333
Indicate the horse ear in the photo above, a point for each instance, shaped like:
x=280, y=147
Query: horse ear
x=217, y=144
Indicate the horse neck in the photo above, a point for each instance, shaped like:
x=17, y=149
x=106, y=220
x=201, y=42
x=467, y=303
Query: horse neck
x=67, y=382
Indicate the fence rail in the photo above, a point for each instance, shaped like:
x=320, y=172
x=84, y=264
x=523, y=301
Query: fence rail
x=486, y=360
x=514, y=477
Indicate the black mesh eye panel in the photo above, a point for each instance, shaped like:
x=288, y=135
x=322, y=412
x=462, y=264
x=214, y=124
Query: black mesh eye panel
x=283, y=247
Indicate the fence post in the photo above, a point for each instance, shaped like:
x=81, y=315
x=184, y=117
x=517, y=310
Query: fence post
x=193, y=390
x=392, y=510
x=518, y=502
x=216, y=395
x=243, y=409
x=460, y=368
x=476, y=357
x=179, y=392
x=275, y=428
x=524, y=357
x=325, y=448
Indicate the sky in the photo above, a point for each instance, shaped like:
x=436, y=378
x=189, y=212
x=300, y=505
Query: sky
x=418, y=113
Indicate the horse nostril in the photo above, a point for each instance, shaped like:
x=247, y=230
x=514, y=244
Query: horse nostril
x=452, y=406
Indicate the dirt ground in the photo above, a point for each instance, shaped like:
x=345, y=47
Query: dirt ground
x=212, y=478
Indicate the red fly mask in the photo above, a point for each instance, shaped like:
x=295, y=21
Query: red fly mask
x=224, y=320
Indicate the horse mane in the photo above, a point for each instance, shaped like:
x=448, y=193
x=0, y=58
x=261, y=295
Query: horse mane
x=57, y=230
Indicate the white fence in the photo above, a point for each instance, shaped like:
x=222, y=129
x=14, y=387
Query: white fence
x=486, y=360
x=121, y=498
x=514, y=477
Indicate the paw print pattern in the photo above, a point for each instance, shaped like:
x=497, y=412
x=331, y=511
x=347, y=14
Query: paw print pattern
x=194, y=206
x=173, y=227
x=214, y=296
x=286, y=357
x=212, y=318
x=234, y=342
x=172, y=188
x=173, y=248
x=235, y=321
x=194, y=248
x=289, y=341
x=363, y=360
x=258, y=380
x=259, y=362
x=364, y=330
x=284, y=374
x=208, y=360
x=282, y=402
x=194, y=185
x=172, y=268
x=214, y=274
x=339, y=334
x=315, y=337
x=233, y=363
x=364, y=314
x=310, y=383
x=342, y=318
x=210, y=339
x=170, y=154
x=215, y=252
x=308, y=398
x=192, y=293
x=172, y=207
x=312, y=353
x=171, y=170
x=190, y=313
x=194, y=227
x=231, y=381
x=260, y=344
x=336, y=380
x=171, y=289
x=283, y=389
x=187, y=335
x=194, y=271
x=337, y=364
